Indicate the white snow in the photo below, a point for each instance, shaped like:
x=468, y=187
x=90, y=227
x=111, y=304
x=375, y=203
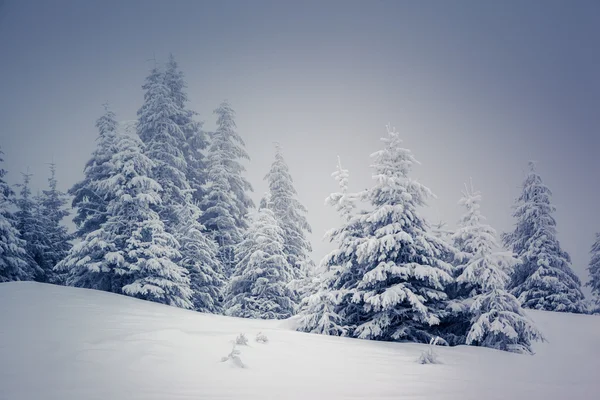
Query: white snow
x=73, y=344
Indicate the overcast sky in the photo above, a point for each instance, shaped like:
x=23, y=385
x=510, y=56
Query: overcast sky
x=476, y=88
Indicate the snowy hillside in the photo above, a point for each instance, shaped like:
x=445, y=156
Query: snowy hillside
x=73, y=344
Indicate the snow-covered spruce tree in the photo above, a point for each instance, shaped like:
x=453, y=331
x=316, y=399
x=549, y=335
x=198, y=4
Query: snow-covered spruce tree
x=290, y=215
x=199, y=257
x=259, y=284
x=226, y=201
x=456, y=323
x=495, y=318
x=14, y=263
x=31, y=229
x=195, y=138
x=88, y=200
x=544, y=279
x=318, y=309
x=53, y=203
x=594, y=270
x=131, y=252
x=390, y=280
x=164, y=142
x=151, y=253
x=98, y=260
x=172, y=138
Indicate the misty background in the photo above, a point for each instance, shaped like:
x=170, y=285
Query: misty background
x=476, y=89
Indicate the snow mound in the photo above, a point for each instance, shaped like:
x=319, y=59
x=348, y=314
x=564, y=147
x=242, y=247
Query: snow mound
x=73, y=344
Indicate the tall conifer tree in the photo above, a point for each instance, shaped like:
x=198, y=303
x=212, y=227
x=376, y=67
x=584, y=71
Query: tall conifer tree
x=290, y=215
x=226, y=202
x=88, y=200
x=544, y=279
x=14, y=263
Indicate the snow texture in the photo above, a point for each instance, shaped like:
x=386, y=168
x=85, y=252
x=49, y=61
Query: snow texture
x=85, y=344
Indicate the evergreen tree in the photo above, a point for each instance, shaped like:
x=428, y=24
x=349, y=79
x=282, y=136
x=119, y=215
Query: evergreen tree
x=343, y=201
x=226, y=202
x=164, y=143
x=98, y=260
x=131, y=252
x=389, y=279
x=259, y=285
x=53, y=211
x=199, y=257
x=88, y=199
x=174, y=142
x=30, y=224
x=289, y=213
x=318, y=309
x=494, y=316
x=14, y=263
x=544, y=279
x=594, y=270
x=195, y=138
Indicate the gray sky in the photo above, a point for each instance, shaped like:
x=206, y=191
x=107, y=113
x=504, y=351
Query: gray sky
x=477, y=88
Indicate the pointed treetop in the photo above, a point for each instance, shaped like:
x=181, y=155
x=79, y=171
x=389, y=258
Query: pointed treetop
x=52, y=165
x=107, y=124
x=153, y=59
x=471, y=198
x=226, y=115
x=532, y=165
x=469, y=189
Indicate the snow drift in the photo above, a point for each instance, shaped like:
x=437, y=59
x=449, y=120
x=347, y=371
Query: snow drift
x=72, y=344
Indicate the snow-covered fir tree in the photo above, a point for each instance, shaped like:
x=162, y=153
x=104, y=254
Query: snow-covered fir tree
x=318, y=309
x=53, y=203
x=389, y=279
x=594, y=270
x=14, y=263
x=88, y=200
x=259, y=286
x=544, y=279
x=494, y=316
x=226, y=201
x=151, y=253
x=173, y=141
x=199, y=257
x=195, y=138
x=165, y=142
x=131, y=252
x=290, y=215
x=30, y=223
x=98, y=260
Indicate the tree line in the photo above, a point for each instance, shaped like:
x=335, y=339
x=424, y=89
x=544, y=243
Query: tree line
x=165, y=215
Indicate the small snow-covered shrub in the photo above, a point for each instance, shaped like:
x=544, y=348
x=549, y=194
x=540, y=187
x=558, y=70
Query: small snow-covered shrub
x=430, y=356
x=261, y=338
x=241, y=340
x=234, y=357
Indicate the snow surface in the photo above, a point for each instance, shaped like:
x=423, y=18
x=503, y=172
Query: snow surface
x=73, y=344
